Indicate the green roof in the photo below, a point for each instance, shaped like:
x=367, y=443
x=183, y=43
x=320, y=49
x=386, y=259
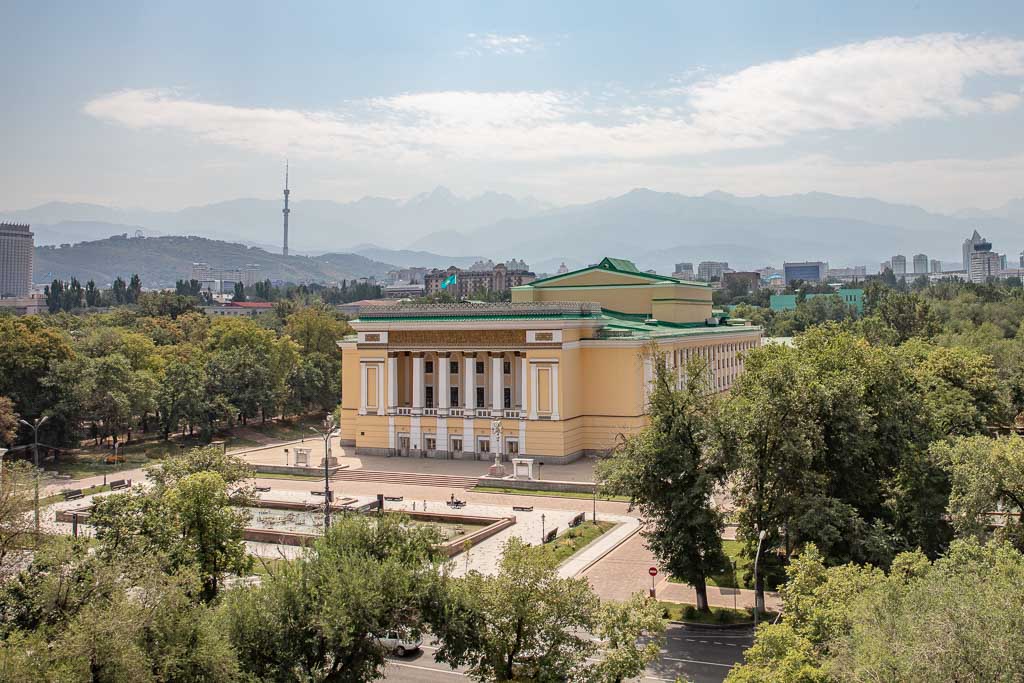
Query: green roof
x=618, y=265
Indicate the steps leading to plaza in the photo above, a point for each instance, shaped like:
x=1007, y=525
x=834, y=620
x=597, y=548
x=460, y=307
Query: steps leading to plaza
x=406, y=478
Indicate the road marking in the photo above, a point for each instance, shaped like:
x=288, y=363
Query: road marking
x=697, y=661
x=427, y=668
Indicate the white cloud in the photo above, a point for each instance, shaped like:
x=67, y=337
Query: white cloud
x=869, y=85
x=500, y=44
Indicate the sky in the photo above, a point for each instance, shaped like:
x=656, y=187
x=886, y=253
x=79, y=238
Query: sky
x=163, y=105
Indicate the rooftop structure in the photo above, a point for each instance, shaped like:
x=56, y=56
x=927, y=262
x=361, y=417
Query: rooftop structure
x=788, y=302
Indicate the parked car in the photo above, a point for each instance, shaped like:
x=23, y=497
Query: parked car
x=398, y=644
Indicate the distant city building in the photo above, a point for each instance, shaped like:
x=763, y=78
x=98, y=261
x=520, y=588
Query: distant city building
x=684, y=271
x=776, y=282
x=24, y=305
x=750, y=280
x=239, y=309
x=884, y=266
x=407, y=275
x=464, y=283
x=787, y=302
x=1003, y=264
x=220, y=280
x=899, y=265
x=711, y=270
x=936, y=266
x=920, y=264
x=16, y=252
x=562, y=269
x=850, y=274
x=985, y=264
x=968, y=249
x=1022, y=259
x=404, y=290
x=768, y=271
x=808, y=271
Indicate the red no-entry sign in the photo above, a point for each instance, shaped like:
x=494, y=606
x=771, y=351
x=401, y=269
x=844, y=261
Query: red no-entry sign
x=653, y=571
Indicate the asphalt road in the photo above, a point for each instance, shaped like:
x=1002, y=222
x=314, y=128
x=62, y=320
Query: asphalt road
x=699, y=655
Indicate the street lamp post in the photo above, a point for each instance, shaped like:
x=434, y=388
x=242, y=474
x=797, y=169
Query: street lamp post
x=34, y=426
x=595, y=502
x=542, y=533
x=3, y=452
x=329, y=430
x=758, y=594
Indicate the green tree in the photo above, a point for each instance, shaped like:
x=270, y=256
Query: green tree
x=8, y=421
x=621, y=628
x=671, y=470
x=181, y=397
x=134, y=289
x=313, y=619
x=239, y=294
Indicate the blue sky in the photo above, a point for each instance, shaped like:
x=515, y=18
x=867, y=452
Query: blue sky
x=164, y=105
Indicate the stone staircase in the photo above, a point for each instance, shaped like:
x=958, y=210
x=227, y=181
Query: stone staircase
x=406, y=478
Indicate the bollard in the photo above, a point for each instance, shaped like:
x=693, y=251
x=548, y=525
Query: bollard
x=74, y=524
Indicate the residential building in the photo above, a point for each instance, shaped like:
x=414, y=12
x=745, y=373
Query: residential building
x=1022, y=259
x=936, y=266
x=898, y=264
x=478, y=278
x=17, y=249
x=249, y=309
x=985, y=264
x=968, y=249
x=750, y=280
x=788, y=302
x=403, y=290
x=684, y=271
x=24, y=305
x=711, y=270
x=852, y=274
x=920, y=264
x=560, y=369
x=221, y=280
x=884, y=266
x=409, y=275
x=562, y=269
x=808, y=271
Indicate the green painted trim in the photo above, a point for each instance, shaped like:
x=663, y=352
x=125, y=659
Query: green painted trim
x=637, y=273
x=695, y=301
x=607, y=286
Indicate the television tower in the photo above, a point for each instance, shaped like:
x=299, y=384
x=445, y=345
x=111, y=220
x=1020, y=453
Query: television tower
x=286, y=211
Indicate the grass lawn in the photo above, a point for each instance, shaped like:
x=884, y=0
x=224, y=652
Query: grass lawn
x=733, y=579
x=290, y=429
x=536, y=492
x=718, y=615
x=571, y=541
x=59, y=497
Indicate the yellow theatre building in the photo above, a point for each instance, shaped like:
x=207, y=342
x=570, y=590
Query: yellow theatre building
x=565, y=366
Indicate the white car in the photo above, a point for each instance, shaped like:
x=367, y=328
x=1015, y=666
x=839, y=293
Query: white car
x=396, y=644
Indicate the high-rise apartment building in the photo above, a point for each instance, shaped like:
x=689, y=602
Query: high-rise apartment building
x=16, y=252
x=920, y=264
x=684, y=271
x=899, y=265
x=968, y=249
x=711, y=270
x=808, y=271
x=936, y=266
x=984, y=263
x=220, y=280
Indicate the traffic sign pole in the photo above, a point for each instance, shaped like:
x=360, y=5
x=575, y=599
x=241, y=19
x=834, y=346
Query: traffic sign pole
x=653, y=571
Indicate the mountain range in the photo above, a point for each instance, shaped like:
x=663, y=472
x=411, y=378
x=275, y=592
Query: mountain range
x=655, y=229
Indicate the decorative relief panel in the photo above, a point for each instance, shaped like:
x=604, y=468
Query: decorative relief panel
x=543, y=336
x=452, y=338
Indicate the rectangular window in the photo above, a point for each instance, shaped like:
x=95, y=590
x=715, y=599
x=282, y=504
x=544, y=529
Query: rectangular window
x=483, y=445
x=479, y=397
x=456, y=443
x=371, y=387
x=544, y=390
x=428, y=366
x=431, y=443
x=430, y=397
x=507, y=368
x=454, y=367
x=453, y=397
x=512, y=446
x=479, y=367
x=508, y=398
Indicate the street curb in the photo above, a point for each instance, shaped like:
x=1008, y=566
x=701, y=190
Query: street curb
x=525, y=494
x=714, y=627
x=606, y=552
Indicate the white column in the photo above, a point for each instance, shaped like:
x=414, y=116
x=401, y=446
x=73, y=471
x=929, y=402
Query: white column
x=381, y=408
x=417, y=384
x=497, y=385
x=554, y=391
x=469, y=381
x=522, y=389
x=392, y=382
x=533, y=391
x=441, y=370
x=362, y=388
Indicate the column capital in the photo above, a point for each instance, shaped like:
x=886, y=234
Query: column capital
x=496, y=354
x=444, y=354
x=393, y=354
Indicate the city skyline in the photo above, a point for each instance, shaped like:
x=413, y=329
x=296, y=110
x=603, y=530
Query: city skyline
x=903, y=104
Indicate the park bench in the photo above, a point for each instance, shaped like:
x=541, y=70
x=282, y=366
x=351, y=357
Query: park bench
x=551, y=535
x=263, y=489
x=522, y=508
x=578, y=519
x=456, y=504
x=119, y=484
x=394, y=499
x=72, y=494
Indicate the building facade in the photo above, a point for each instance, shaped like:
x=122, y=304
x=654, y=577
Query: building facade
x=788, y=302
x=711, y=270
x=17, y=249
x=221, y=280
x=898, y=263
x=920, y=264
x=936, y=266
x=985, y=264
x=500, y=278
x=968, y=249
x=684, y=271
x=808, y=271
x=563, y=369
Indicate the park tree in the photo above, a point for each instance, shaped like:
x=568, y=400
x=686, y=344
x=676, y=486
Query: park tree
x=134, y=289
x=629, y=634
x=317, y=330
x=671, y=470
x=29, y=349
x=16, y=525
x=8, y=421
x=987, y=486
x=314, y=618
x=119, y=291
x=239, y=294
x=181, y=396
